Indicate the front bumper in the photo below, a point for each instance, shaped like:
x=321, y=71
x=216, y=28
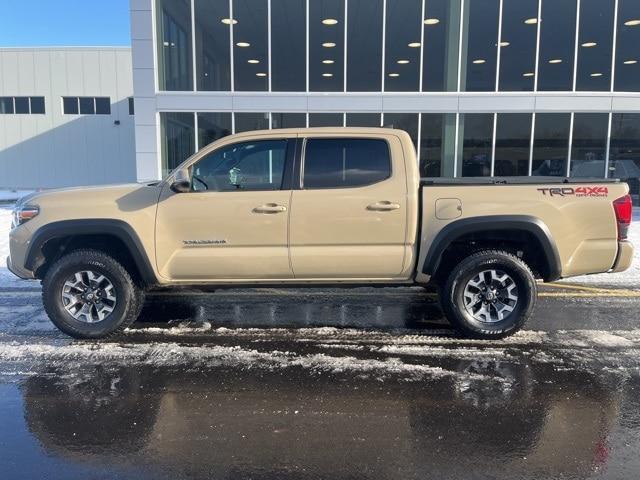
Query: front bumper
x=624, y=258
x=21, y=273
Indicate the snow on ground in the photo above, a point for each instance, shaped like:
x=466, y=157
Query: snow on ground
x=628, y=279
x=367, y=354
x=13, y=195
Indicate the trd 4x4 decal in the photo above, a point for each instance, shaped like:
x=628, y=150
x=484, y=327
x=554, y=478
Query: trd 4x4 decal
x=577, y=192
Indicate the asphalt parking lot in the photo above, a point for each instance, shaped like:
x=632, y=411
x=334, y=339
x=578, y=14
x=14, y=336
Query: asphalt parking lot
x=322, y=383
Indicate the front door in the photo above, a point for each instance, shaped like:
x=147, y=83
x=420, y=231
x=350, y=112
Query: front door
x=233, y=224
x=349, y=219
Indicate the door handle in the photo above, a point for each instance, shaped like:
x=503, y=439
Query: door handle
x=270, y=208
x=384, y=206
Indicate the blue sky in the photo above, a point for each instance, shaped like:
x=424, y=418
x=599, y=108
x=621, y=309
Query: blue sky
x=64, y=22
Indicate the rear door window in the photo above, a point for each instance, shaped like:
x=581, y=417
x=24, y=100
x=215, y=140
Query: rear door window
x=345, y=162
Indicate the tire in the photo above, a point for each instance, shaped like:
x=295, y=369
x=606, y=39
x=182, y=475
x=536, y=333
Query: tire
x=469, y=314
x=118, y=314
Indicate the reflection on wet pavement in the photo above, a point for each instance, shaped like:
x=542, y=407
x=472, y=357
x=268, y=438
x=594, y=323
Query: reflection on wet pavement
x=244, y=392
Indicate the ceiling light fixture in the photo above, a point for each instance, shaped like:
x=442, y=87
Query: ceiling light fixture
x=394, y=74
x=328, y=62
x=328, y=45
x=253, y=60
x=596, y=74
x=632, y=23
x=528, y=74
x=555, y=60
x=504, y=44
x=431, y=21
x=402, y=62
x=531, y=21
x=327, y=74
x=630, y=62
x=261, y=74
x=330, y=21
x=243, y=44
x=479, y=61
x=229, y=21
x=589, y=44
x=414, y=44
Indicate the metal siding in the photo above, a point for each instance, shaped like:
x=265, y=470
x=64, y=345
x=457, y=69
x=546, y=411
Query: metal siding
x=56, y=150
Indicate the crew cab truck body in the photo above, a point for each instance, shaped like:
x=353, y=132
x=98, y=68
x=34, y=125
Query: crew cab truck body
x=317, y=206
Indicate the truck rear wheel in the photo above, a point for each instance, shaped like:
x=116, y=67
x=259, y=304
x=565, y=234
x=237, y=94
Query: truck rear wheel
x=488, y=295
x=89, y=294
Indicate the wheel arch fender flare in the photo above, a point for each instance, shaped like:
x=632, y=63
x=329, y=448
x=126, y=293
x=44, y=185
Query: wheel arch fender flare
x=514, y=223
x=100, y=226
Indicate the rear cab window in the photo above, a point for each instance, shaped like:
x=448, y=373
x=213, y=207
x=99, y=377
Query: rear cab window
x=345, y=162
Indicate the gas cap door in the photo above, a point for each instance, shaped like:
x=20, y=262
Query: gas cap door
x=448, y=208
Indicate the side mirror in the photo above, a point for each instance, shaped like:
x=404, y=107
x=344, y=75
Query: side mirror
x=181, y=181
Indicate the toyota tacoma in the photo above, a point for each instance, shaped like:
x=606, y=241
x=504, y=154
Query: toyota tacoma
x=319, y=206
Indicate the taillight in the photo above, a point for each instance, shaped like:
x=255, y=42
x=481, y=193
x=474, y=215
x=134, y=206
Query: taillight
x=623, y=207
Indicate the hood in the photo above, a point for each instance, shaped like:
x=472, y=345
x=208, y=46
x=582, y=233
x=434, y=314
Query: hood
x=97, y=192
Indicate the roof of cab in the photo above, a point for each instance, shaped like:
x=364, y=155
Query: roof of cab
x=312, y=130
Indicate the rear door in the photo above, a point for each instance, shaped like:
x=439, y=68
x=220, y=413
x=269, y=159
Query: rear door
x=349, y=216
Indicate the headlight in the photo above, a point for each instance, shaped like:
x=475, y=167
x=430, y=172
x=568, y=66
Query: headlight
x=24, y=213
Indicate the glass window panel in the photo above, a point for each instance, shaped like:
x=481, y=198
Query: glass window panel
x=437, y=144
x=345, y=162
x=518, y=44
x=441, y=44
x=250, y=37
x=513, y=138
x=404, y=121
x=247, y=166
x=70, y=105
x=363, y=120
x=557, y=45
x=326, y=46
x=476, y=139
x=213, y=62
x=213, y=126
x=22, y=104
x=364, y=46
x=288, y=120
x=624, y=155
x=402, y=63
x=589, y=148
x=6, y=105
x=627, y=51
x=326, y=120
x=37, y=105
x=177, y=139
x=103, y=105
x=87, y=105
x=288, y=45
x=246, y=122
x=595, y=44
x=174, y=45
x=480, y=45
x=551, y=144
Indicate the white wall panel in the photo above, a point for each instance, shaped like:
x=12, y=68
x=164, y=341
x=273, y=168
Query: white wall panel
x=54, y=150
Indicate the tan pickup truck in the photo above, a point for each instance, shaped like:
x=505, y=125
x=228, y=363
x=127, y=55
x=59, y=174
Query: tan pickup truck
x=334, y=206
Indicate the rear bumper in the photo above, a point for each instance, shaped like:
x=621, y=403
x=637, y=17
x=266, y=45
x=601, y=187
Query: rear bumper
x=624, y=258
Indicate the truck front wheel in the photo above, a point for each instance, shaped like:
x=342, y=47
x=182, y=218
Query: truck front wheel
x=489, y=295
x=89, y=294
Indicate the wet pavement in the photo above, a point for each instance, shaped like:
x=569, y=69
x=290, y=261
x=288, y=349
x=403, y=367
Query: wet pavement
x=322, y=383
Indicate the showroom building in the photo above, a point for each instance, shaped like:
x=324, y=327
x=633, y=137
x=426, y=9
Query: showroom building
x=484, y=87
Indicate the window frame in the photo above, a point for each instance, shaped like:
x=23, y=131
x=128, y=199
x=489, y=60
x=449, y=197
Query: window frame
x=289, y=155
x=303, y=160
